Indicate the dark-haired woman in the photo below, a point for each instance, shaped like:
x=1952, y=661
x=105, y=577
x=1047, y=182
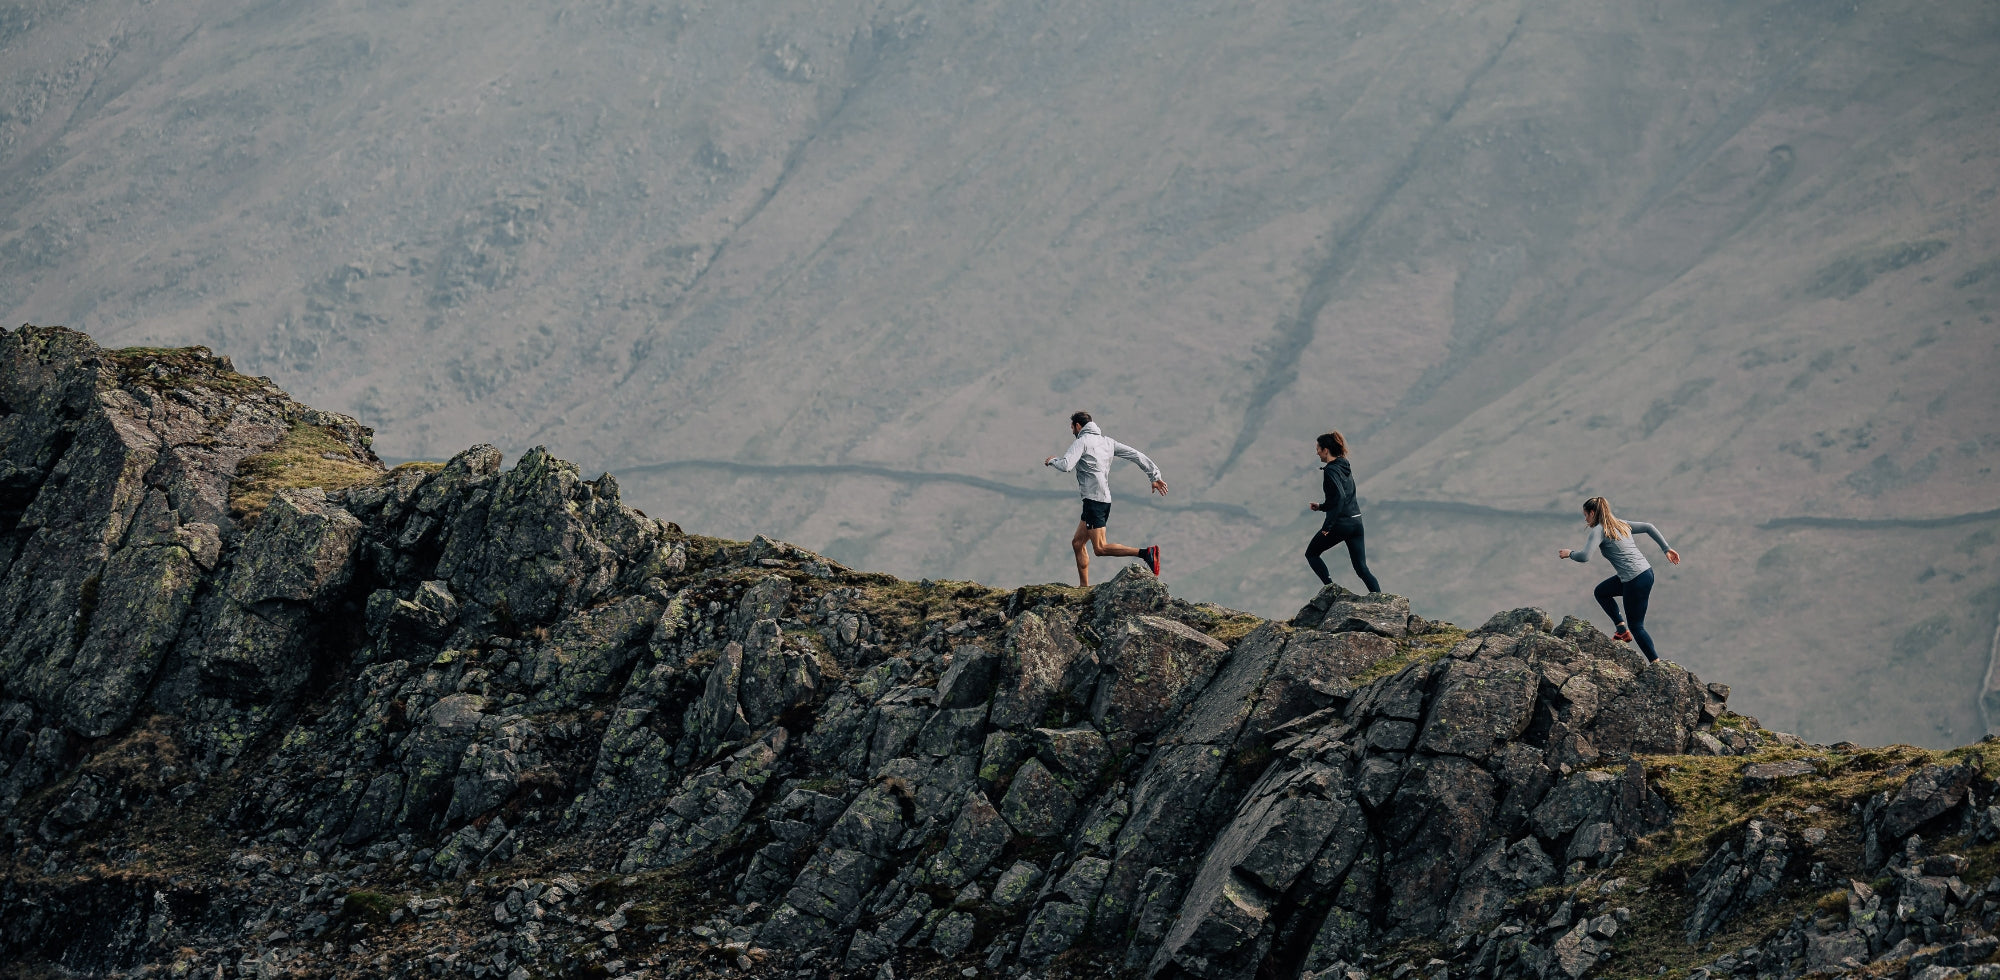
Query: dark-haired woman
x=1634, y=581
x=1343, y=517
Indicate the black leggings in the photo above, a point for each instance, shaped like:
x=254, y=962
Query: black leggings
x=1636, y=593
x=1333, y=533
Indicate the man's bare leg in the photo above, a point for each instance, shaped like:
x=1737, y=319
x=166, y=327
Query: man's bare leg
x=1094, y=538
x=1106, y=550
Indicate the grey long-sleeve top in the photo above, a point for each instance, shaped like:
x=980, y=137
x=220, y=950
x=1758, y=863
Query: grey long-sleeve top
x=1090, y=456
x=1622, y=553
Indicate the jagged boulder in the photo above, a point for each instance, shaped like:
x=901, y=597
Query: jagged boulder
x=1279, y=835
x=977, y=836
x=1152, y=668
x=1042, y=659
x=115, y=478
x=541, y=540
x=1501, y=874
x=1336, y=610
x=1481, y=705
x=1927, y=795
x=1736, y=877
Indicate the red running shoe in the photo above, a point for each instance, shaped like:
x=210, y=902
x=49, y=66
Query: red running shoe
x=1153, y=559
x=1623, y=636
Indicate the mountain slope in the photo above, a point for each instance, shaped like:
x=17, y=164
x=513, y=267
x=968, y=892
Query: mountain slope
x=822, y=247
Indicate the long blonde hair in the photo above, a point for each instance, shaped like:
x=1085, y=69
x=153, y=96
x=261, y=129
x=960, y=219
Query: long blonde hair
x=1601, y=509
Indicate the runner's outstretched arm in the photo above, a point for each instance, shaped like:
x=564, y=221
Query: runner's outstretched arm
x=1123, y=451
x=1589, y=545
x=1641, y=527
x=1067, y=461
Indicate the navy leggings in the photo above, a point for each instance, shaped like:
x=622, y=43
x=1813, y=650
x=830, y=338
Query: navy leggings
x=1333, y=533
x=1636, y=593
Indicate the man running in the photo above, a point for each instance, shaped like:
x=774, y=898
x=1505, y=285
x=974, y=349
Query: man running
x=1090, y=456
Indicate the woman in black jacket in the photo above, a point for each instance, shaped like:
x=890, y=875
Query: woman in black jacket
x=1343, y=517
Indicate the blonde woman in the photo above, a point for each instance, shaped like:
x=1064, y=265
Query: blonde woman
x=1634, y=581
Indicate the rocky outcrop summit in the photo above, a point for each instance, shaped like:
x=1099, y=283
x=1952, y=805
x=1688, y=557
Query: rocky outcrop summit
x=269, y=708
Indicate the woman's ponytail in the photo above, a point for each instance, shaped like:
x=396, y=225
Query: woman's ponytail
x=1600, y=508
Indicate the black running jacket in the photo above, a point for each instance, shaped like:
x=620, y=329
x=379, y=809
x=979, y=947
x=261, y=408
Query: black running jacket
x=1338, y=478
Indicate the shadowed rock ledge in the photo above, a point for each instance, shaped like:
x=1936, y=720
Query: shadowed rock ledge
x=268, y=708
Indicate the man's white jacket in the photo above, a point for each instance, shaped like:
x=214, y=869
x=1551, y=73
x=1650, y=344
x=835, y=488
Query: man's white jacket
x=1090, y=456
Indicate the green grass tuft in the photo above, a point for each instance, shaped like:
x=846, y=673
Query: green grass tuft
x=307, y=456
x=1234, y=628
x=1428, y=647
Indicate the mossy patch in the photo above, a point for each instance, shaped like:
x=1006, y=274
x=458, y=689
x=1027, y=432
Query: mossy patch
x=1052, y=594
x=143, y=757
x=86, y=609
x=904, y=611
x=1233, y=628
x=369, y=906
x=1429, y=647
x=307, y=456
x=161, y=368
x=704, y=552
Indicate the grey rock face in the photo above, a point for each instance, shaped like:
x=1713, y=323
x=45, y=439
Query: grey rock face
x=1152, y=668
x=258, y=642
x=1258, y=857
x=1926, y=798
x=1736, y=876
x=1480, y=706
x=1515, y=622
x=1042, y=657
x=1039, y=803
x=970, y=679
x=975, y=839
x=117, y=471
x=1314, y=673
x=1930, y=792
x=1501, y=874
x=1015, y=885
x=1336, y=610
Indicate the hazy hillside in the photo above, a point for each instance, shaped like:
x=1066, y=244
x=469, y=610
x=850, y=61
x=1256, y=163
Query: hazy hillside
x=837, y=270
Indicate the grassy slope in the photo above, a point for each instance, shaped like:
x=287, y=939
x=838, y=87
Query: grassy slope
x=1711, y=804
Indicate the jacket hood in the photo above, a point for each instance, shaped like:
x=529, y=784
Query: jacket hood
x=1091, y=429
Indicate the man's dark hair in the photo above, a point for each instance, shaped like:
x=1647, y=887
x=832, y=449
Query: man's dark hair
x=1334, y=443
x=1079, y=418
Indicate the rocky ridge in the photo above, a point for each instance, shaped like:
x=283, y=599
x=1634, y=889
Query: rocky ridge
x=268, y=708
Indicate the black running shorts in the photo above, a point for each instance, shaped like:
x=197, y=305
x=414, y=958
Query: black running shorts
x=1096, y=512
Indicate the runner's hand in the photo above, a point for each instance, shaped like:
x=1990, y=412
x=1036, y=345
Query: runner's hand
x=1160, y=487
x=1313, y=506
x=1673, y=556
x=1049, y=461
x=1564, y=553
